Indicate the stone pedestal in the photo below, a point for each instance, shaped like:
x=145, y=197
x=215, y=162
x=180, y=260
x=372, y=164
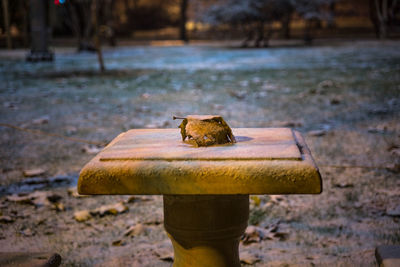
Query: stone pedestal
x=205, y=230
x=206, y=189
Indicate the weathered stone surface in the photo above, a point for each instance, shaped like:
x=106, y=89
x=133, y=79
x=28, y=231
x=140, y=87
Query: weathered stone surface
x=388, y=255
x=156, y=161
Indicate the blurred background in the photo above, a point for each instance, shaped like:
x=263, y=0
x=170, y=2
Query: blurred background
x=70, y=22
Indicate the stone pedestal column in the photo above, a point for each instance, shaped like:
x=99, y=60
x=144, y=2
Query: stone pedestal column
x=40, y=31
x=205, y=229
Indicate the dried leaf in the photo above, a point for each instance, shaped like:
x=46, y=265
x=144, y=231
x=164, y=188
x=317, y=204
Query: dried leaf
x=395, y=152
x=6, y=219
x=240, y=95
x=282, y=236
x=118, y=243
x=256, y=200
x=91, y=149
x=33, y=172
x=165, y=254
x=58, y=207
x=21, y=199
x=41, y=120
x=253, y=234
x=250, y=258
x=131, y=199
x=82, y=216
x=394, y=167
x=135, y=230
x=54, y=198
x=343, y=185
x=317, y=133
x=27, y=232
x=73, y=191
x=393, y=211
x=206, y=130
x=113, y=209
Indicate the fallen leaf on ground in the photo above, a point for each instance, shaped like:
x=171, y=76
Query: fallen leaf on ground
x=131, y=199
x=33, y=172
x=395, y=152
x=27, y=232
x=343, y=185
x=70, y=130
x=54, y=198
x=335, y=101
x=394, y=167
x=250, y=258
x=6, y=219
x=41, y=120
x=238, y=94
x=40, y=198
x=91, y=149
x=165, y=254
x=21, y=199
x=58, y=207
x=393, y=211
x=37, y=198
x=118, y=243
x=256, y=200
x=282, y=236
x=113, y=209
x=379, y=129
x=253, y=234
x=73, y=191
x=317, y=133
x=82, y=216
x=136, y=229
x=325, y=84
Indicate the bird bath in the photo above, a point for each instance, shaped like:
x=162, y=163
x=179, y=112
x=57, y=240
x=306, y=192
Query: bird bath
x=205, y=189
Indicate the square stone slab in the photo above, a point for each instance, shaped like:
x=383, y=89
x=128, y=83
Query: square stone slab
x=156, y=161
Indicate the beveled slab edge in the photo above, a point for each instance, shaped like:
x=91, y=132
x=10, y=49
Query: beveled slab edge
x=306, y=154
x=202, y=177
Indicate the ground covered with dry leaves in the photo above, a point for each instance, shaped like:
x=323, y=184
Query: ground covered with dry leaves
x=343, y=96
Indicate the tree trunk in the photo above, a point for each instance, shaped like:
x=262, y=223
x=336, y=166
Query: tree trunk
x=182, y=24
x=373, y=17
x=249, y=37
x=382, y=15
x=25, y=23
x=74, y=22
x=260, y=34
x=286, y=26
x=96, y=34
x=267, y=37
x=7, y=23
x=308, y=32
x=39, y=31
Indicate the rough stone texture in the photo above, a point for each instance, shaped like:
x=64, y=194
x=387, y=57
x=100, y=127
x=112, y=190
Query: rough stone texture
x=156, y=161
x=205, y=230
x=388, y=255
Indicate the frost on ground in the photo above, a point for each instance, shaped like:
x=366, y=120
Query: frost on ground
x=345, y=99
